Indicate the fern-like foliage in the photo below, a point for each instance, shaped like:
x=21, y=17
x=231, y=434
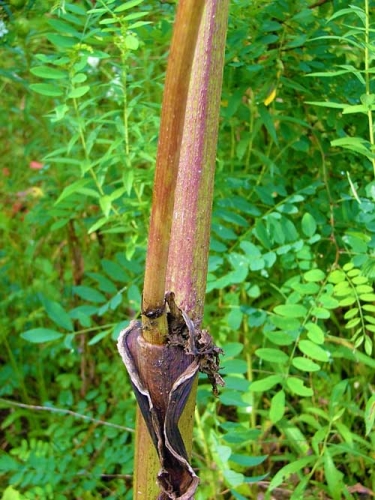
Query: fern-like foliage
x=355, y=292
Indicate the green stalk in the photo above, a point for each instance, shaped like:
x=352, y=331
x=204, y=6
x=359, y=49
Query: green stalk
x=180, y=61
x=177, y=254
x=367, y=80
x=146, y=463
x=189, y=246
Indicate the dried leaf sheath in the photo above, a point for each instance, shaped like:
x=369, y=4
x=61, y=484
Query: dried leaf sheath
x=162, y=377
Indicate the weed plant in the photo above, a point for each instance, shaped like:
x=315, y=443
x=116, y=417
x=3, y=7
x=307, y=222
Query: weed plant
x=290, y=293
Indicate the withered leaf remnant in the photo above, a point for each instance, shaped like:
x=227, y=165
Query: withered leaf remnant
x=162, y=377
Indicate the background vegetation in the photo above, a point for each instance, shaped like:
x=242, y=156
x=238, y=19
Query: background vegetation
x=290, y=290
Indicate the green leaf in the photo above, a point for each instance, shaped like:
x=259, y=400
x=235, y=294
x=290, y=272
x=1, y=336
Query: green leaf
x=77, y=92
x=99, y=336
x=368, y=341
x=305, y=364
x=369, y=319
x=105, y=285
x=234, y=318
x=11, y=494
x=355, y=144
x=222, y=453
x=62, y=42
x=343, y=289
x=246, y=460
x=46, y=89
x=336, y=276
x=313, y=351
x=314, y=275
x=79, y=78
x=234, y=366
x=308, y=225
x=237, y=382
x=89, y=294
x=290, y=469
x=131, y=42
x=333, y=476
x=97, y=225
x=348, y=267
x=352, y=323
x=109, y=20
x=83, y=314
x=280, y=338
x=269, y=259
x=114, y=271
x=232, y=398
x=48, y=72
x=325, y=104
x=320, y=312
x=71, y=189
x=357, y=108
x=367, y=297
x=352, y=273
x=39, y=335
x=135, y=15
x=105, y=204
x=251, y=250
x=232, y=349
x=277, y=409
x=328, y=302
x=348, y=11
x=285, y=323
x=261, y=233
x=127, y=5
x=370, y=414
x=297, y=386
x=233, y=478
x=134, y=296
x=360, y=280
x=57, y=314
x=360, y=289
x=306, y=288
x=291, y=310
x=315, y=333
x=272, y=355
x=348, y=301
x=138, y=24
x=267, y=120
x=266, y=383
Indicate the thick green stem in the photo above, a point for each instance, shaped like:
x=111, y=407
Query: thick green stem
x=180, y=222
x=188, y=251
x=180, y=61
x=189, y=246
x=146, y=463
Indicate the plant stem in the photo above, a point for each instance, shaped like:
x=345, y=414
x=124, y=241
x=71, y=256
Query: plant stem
x=188, y=252
x=146, y=463
x=171, y=128
x=177, y=254
x=367, y=79
x=189, y=245
x=84, y=146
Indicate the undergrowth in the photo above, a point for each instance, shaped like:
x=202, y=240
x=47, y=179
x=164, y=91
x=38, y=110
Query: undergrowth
x=290, y=293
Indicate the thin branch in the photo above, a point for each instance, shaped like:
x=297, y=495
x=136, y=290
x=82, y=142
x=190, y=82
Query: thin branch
x=65, y=412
